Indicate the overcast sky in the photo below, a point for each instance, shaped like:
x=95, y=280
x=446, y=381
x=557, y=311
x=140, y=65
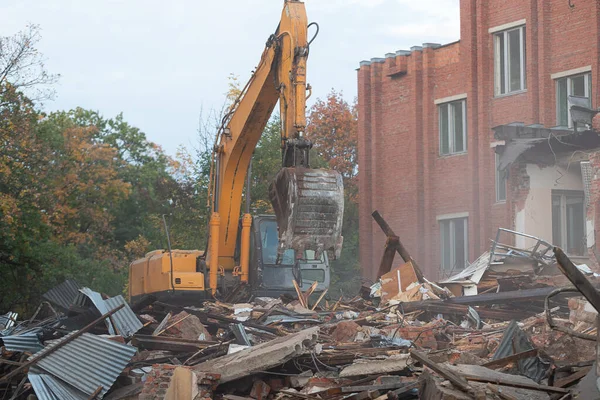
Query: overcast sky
x=161, y=62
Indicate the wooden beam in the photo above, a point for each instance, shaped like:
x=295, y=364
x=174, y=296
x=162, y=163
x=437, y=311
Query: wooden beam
x=501, y=362
x=498, y=392
x=387, y=259
x=566, y=381
x=399, y=246
x=457, y=380
x=577, y=278
x=506, y=382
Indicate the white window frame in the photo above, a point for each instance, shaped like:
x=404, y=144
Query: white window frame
x=451, y=133
x=452, y=222
x=501, y=178
x=587, y=80
x=498, y=68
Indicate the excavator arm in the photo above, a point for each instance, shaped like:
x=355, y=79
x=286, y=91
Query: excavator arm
x=308, y=203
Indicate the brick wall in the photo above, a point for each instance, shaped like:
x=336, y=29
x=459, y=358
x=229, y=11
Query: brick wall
x=402, y=174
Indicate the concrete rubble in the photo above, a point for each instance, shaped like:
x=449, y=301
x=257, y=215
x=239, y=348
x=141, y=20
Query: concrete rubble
x=499, y=329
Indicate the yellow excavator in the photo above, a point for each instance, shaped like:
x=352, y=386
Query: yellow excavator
x=262, y=255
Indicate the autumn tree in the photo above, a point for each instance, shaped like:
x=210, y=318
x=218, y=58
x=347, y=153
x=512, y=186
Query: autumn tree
x=333, y=128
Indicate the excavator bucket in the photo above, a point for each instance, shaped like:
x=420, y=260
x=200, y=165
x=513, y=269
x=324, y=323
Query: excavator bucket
x=309, y=207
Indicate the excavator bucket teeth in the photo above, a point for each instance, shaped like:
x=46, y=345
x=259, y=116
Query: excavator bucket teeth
x=309, y=206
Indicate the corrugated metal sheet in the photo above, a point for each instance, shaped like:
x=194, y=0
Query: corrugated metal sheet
x=63, y=294
x=516, y=341
x=47, y=387
x=24, y=342
x=87, y=362
x=127, y=323
x=42, y=392
x=8, y=320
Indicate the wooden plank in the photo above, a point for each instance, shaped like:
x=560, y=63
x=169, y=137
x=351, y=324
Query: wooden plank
x=406, y=389
x=299, y=294
x=96, y=392
x=522, y=385
x=299, y=395
x=363, y=388
x=456, y=380
x=497, y=391
x=566, y=381
x=397, y=280
x=501, y=362
x=319, y=300
x=309, y=292
x=172, y=325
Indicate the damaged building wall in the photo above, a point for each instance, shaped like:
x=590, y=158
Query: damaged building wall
x=403, y=173
x=533, y=217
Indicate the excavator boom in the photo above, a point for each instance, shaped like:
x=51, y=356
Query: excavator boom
x=308, y=203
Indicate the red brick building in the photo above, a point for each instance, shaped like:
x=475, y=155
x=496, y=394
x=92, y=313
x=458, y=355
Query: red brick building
x=436, y=122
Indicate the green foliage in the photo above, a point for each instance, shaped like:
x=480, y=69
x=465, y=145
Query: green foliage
x=81, y=195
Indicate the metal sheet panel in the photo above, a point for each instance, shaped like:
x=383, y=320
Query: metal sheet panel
x=126, y=322
x=63, y=294
x=47, y=387
x=516, y=341
x=87, y=362
x=8, y=320
x=25, y=342
x=42, y=392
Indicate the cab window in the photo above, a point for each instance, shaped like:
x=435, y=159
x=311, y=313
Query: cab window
x=269, y=243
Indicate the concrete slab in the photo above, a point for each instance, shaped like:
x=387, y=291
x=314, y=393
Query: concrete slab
x=261, y=357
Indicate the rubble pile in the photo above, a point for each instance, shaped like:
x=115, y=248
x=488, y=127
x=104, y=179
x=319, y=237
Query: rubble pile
x=481, y=333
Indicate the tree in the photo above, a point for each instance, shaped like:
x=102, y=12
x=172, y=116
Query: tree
x=22, y=65
x=57, y=188
x=333, y=128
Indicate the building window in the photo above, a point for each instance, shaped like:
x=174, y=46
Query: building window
x=509, y=48
x=576, y=85
x=453, y=127
x=453, y=237
x=568, y=221
x=500, y=181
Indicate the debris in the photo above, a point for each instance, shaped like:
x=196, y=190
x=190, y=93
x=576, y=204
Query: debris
x=515, y=341
x=376, y=367
x=456, y=380
x=478, y=373
x=345, y=331
x=482, y=333
x=261, y=357
x=63, y=295
x=187, y=326
x=260, y=390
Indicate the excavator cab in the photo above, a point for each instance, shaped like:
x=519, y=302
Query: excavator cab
x=272, y=271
